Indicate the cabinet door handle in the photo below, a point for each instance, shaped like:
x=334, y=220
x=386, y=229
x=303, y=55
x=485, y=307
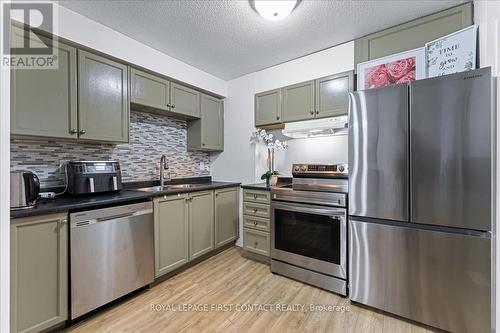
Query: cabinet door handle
x=277, y=118
x=317, y=112
x=168, y=105
x=255, y=196
x=255, y=223
x=73, y=131
x=312, y=112
x=255, y=244
x=255, y=210
x=82, y=132
x=202, y=144
x=173, y=106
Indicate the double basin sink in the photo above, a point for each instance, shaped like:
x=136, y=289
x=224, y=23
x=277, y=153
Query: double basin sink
x=155, y=189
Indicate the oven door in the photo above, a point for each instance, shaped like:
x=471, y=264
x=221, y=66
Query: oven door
x=309, y=236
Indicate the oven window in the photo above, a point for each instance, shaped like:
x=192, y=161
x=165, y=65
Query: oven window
x=309, y=235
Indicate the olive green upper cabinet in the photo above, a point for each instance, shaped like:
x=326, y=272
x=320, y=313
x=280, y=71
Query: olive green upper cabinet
x=268, y=108
x=201, y=223
x=184, y=100
x=171, y=218
x=412, y=34
x=152, y=92
x=226, y=215
x=207, y=133
x=103, y=103
x=332, y=94
x=44, y=101
x=39, y=272
x=298, y=101
x=148, y=90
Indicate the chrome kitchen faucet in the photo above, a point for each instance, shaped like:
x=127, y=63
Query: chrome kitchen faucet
x=163, y=167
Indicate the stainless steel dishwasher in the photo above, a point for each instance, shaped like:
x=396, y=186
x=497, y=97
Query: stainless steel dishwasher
x=112, y=254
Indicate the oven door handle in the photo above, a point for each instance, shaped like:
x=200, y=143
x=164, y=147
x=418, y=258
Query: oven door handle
x=333, y=212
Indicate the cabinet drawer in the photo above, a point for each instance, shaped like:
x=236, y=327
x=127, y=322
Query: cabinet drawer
x=257, y=223
x=256, y=241
x=255, y=209
x=257, y=196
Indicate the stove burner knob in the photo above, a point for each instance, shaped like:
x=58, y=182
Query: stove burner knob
x=303, y=168
x=296, y=168
x=341, y=168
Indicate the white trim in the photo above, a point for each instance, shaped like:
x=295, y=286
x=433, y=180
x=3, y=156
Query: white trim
x=4, y=197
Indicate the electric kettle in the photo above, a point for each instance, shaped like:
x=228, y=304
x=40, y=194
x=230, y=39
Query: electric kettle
x=24, y=189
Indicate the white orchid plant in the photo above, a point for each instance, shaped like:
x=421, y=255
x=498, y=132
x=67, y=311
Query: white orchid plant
x=272, y=146
x=269, y=140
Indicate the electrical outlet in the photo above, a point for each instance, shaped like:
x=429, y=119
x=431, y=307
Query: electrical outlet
x=202, y=166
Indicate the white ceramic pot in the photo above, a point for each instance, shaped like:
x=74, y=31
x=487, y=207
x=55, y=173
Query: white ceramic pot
x=273, y=180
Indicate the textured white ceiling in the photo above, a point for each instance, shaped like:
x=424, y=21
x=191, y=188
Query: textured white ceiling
x=227, y=38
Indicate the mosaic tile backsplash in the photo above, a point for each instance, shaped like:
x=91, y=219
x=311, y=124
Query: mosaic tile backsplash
x=150, y=136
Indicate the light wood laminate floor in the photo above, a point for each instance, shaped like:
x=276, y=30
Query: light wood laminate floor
x=230, y=280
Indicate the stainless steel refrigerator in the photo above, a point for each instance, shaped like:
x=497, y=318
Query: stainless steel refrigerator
x=420, y=200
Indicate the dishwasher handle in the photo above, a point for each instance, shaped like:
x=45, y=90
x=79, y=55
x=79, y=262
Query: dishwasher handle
x=119, y=216
x=82, y=223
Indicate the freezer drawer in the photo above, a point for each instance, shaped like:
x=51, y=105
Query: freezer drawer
x=450, y=146
x=378, y=153
x=436, y=278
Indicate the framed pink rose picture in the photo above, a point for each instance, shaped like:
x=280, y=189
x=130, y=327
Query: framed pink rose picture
x=394, y=69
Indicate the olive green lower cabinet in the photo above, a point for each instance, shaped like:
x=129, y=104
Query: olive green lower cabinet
x=190, y=225
x=257, y=223
x=171, y=223
x=39, y=272
x=226, y=215
x=201, y=223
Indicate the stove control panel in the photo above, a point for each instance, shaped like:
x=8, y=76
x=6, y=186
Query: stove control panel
x=325, y=170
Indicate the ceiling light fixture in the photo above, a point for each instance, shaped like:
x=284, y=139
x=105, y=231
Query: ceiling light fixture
x=274, y=10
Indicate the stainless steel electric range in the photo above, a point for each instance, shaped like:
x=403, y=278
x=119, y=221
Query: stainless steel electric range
x=309, y=226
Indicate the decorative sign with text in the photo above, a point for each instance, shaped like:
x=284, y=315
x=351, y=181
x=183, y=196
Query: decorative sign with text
x=452, y=53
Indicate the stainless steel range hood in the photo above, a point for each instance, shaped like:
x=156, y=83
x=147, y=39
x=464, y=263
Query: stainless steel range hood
x=316, y=127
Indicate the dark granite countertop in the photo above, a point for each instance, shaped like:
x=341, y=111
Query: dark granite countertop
x=286, y=182
x=282, y=181
x=129, y=194
x=257, y=186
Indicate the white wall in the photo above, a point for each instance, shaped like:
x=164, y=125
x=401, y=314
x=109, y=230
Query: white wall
x=336, y=59
x=487, y=16
x=84, y=31
x=237, y=161
x=4, y=198
x=322, y=150
x=319, y=150
x=243, y=161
